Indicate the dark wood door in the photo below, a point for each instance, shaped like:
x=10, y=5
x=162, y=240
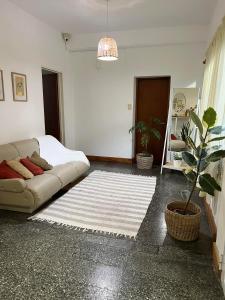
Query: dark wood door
x=153, y=101
x=51, y=105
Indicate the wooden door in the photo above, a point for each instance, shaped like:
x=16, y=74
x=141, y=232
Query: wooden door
x=51, y=105
x=152, y=100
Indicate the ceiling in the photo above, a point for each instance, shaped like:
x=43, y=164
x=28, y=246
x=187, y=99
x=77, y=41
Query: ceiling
x=89, y=16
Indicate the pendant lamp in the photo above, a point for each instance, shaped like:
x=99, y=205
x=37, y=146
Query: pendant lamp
x=107, y=47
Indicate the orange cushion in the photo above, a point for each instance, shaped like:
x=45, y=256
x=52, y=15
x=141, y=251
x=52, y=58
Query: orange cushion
x=16, y=165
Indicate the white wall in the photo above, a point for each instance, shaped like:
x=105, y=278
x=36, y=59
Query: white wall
x=160, y=36
x=26, y=44
x=103, y=91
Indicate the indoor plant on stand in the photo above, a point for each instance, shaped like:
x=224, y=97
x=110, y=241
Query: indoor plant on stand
x=145, y=158
x=177, y=160
x=183, y=218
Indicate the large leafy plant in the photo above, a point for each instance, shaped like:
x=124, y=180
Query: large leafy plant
x=203, y=154
x=186, y=130
x=146, y=132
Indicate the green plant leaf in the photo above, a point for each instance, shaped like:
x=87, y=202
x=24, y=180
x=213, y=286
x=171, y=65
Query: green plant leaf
x=201, y=151
x=146, y=131
x=217, y=139
x=186, y=131
x=189, y=159
x=216, y=129
x=208, y=184
x=203, y=165
x=209, y=117
x=131, y=129
x=155, y=133
x=145, y=141
x=191, y=176
x=140, y=127
x=191, y=143
x=216, y=147
x=156, y=120
x=215, y=156
x=196, y=121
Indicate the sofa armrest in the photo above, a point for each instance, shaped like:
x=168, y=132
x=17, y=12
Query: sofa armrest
x=12, y=185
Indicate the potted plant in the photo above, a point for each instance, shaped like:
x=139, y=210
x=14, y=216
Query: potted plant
x=177, y=160
x=186, y=130
x=183, y=217
x=145, y=158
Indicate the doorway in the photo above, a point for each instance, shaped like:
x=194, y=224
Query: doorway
x=52, y=104
x=152, y=100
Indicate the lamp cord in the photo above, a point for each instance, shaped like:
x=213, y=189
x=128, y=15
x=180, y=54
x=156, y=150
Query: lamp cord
x=107, y=18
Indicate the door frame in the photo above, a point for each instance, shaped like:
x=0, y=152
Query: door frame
x=135, y=109
x=60, y=101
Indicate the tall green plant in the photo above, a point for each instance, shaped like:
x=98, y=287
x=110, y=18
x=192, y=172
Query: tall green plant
x=146, y=132
x=203, y=154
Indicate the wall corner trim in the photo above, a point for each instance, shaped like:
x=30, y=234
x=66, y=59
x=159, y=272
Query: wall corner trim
x=216, y=260
x=211, y=220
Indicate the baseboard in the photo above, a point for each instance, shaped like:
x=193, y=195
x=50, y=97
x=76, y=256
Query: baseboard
x=213, y=229
x=110, y=159
x=211, y=220
x=216, y=259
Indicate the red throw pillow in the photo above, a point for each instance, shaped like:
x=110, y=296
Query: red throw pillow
x=8, y=173
x=173, y=137
x=34, y=169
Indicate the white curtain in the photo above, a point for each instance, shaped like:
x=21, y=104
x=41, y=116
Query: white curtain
x=213, y=91
x=213, y=94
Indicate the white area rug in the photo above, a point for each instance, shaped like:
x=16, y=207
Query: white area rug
x=105, y=202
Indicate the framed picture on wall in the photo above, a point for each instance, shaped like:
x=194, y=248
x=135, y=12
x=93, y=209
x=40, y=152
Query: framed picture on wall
x=19, y=86
x=2, y=96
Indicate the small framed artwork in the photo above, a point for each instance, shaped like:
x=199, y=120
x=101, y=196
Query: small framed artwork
x=2, y=96
x=19, y=86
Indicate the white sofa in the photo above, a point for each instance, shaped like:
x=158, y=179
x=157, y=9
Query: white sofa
x=28, y=195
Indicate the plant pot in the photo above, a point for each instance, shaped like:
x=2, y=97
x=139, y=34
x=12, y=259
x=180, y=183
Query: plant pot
x=144, y=161
x=177, y=163
x=183, y=227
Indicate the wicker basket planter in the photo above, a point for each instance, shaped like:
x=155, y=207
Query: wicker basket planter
x=143, y=161
x=183, y=227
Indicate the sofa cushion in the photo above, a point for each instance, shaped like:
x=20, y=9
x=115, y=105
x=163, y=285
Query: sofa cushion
x=23, y=201
x=177, y=145
x=12, y=185
x=39, y=161
x=43, y=187
x=26, y=147
x=8, y=152
x=80, y=166
x=34, y=169
x=8, y=173
x=66, y=173
x=19, y=168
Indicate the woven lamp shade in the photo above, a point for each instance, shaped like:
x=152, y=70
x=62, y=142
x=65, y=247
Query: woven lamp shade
x=107, y=49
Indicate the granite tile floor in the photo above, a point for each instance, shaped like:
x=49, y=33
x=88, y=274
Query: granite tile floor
x=44, y=262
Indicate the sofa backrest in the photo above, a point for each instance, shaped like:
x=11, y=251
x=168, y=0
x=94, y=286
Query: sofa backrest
x=8, y=152
x=21, y=148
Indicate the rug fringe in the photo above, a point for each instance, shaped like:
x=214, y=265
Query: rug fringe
x=108, y=233
x=101, y=171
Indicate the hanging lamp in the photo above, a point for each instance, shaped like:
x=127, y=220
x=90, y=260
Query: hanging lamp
x=107, y=47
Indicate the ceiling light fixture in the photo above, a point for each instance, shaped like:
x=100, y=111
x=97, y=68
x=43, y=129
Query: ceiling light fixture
x=107, y=47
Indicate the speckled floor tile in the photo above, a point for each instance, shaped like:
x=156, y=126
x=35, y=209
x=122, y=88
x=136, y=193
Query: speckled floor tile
x=39, y=261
